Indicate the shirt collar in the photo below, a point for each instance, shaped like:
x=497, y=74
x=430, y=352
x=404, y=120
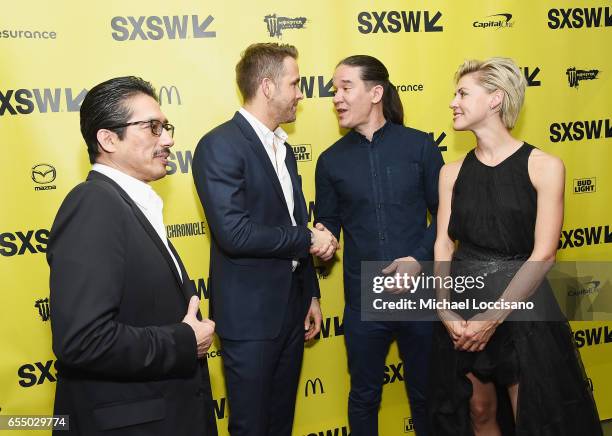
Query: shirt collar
x=139, y=191
x=379, y=134
x=261, y=129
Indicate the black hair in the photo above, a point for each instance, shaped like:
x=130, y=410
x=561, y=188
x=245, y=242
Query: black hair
x=104, y=106
x=374, y=71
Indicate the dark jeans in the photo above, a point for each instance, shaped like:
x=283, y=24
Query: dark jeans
x=367, y=345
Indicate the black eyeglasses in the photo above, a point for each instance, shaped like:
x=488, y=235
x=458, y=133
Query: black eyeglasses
x=156, y=126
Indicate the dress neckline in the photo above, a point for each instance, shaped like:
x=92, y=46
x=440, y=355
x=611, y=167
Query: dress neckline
x=515, y=152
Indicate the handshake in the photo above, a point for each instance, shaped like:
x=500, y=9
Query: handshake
x=323, y=243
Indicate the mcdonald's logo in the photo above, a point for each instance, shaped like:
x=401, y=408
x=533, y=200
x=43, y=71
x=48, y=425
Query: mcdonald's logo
x=166, y=93
x=311, y=386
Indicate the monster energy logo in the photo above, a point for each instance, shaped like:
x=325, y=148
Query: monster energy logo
x=277, y=24
x=574, y=76
x=43, y=308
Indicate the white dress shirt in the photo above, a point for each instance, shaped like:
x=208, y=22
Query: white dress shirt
x=274, y=144
x=145, y=198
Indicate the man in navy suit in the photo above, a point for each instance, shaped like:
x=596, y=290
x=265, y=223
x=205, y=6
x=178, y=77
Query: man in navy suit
x=264, y=290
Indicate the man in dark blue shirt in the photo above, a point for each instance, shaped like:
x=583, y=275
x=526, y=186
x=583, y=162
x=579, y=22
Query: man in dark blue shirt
x=376, y=184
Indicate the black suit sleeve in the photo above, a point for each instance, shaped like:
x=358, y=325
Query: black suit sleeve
x=86, y=255
x=218, y=171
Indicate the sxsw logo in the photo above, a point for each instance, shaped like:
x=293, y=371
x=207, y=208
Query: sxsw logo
x=579, y=130
x=331, y=327
x=577, y=18
x=585, y=236
x=574, y=76
x=338, y=431
x=399, y=21
x=18, y=243
x=593, y=336
x=36, y=373
x=496, y=21
x=314, y=387
x=200, y=285
x=393, y=373
x=156, y=28
x=585, y=186
x=179, y=161
x=169, y=94
x=276, y=25
x=302, y=152
x=42, y=305
x=531, y=76
x=220, y=409
x=42, y=100
x=437, y=140
x=323, y=86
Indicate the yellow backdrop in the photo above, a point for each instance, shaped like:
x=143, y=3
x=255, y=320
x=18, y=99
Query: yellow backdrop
x=50, y=52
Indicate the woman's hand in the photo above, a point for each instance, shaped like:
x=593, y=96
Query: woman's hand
x=454, y=323
x=477, y=332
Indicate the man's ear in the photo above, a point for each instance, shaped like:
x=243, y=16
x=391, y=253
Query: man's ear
x=268, y=87
x=107, y=140
x=377, y=93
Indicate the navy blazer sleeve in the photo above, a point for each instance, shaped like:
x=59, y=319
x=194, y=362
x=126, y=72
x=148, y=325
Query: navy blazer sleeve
x=218, y=172
x=86, y=257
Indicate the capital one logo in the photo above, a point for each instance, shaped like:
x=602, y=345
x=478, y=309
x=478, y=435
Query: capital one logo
x=496, y=21
x=43, y=100
x=314, y=386
x=155, y=28
x=169, y=95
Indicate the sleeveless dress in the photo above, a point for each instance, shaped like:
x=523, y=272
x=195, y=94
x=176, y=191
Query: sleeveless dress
x=493, y=214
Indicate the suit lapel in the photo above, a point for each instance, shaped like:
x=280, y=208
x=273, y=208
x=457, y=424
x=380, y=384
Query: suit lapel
x=187, y=287
x=94, y=175
x=261, y=154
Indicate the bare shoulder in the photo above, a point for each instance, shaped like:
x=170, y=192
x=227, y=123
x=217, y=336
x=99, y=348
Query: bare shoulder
x=545, y=168
x=449, y=172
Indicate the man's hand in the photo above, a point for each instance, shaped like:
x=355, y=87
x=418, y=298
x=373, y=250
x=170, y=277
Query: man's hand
x=478, y=330
x=204, y=330
x=324, y=243
x=403, y=267
x=312, y=323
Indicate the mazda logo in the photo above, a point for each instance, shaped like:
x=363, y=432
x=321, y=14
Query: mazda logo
x=43, y=173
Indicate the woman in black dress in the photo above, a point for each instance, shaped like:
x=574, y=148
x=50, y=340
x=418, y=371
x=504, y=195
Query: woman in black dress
x=492, y=375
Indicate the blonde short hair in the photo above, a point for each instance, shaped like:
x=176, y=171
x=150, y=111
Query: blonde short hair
x=503, y=74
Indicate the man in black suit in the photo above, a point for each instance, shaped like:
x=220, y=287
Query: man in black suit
x=129, y=339
x=264, y=291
